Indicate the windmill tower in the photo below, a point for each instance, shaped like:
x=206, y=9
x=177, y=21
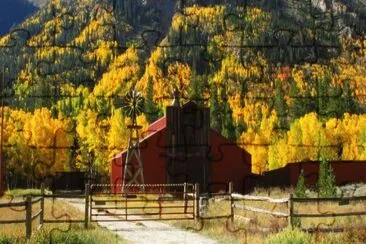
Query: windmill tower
x=133, y=172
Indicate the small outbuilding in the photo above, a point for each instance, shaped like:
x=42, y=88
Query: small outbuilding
x=181, y=147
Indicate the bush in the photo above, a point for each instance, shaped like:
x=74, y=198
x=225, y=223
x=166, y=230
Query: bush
x=289, y=236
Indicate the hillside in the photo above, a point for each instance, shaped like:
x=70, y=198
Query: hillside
x=286, y=80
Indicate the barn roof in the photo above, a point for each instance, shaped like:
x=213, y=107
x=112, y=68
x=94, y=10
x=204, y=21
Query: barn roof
x=153, y=128
x=157, y=126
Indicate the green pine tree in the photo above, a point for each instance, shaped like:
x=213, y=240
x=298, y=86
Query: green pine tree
x=349, y=103
x=196, y=89
x=215, y=111
x=280, y=105
x=326, y=180
x=323, y=97
x=300, y=190
x=335, y=106
x=151, y=110
x=297, y=108
x=240, y=128
x=309, y=102
x=331, y=183
x=228, y=128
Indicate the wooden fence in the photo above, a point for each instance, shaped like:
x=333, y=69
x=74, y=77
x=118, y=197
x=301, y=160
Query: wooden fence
x=234, y=198
x=28, y=219
x=290, y=213
x=30, y=200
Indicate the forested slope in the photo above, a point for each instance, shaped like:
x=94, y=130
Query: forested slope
x=286, y=81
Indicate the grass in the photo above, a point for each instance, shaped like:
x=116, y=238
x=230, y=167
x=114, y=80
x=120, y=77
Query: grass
x=50, y=233
x=66, y=234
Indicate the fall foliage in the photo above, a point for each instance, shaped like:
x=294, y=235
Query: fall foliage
x=62, y=101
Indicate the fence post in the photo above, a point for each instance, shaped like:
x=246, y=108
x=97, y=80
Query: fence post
x=41, y=216
x=185, y=197
x=86, y=219
x=28, y=217
x=196, y=201
x=290, y=206
x=231, y=189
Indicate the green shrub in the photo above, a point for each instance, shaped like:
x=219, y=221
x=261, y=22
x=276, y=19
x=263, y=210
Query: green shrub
x=289, y=236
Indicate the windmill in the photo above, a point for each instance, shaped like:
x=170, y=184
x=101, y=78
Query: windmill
x=132, y=106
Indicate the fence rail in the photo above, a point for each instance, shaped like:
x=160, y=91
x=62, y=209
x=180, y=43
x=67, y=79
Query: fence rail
x=179, y=199
x=259, y=210
x=39, y=199
x=290, y=215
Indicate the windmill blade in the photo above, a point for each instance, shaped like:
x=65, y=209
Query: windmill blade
x=133, y=104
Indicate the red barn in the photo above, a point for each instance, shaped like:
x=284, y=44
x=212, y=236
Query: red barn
x=181, y=147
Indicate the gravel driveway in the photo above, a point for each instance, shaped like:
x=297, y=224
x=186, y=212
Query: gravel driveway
x=147, y=231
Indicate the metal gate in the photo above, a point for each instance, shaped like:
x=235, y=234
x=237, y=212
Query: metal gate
x=143, y=202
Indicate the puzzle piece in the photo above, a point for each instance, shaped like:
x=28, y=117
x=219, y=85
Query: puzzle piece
x=282, y=46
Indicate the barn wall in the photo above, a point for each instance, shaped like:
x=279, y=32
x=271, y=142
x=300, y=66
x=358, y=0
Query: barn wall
x=279, y=178
x=229, y=163
x=152, y=152
x=344, y=171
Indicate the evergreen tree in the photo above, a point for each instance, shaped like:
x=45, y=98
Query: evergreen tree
x=215, y=113
x=323, y=97
x=280, y=105
x=326, y=181
x=196, y=89
x=331, y=183
x=335, y=106
x=349, y=103
x=228, y=128
x=151, y=110
x=241, y=127
x=103, y=107
x=300, y=190
x=297, y=108
x=309, y=102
